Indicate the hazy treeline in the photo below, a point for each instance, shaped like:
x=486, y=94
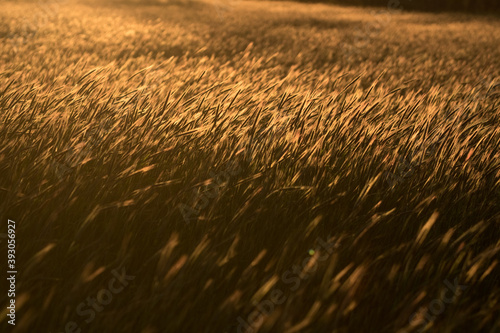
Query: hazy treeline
x=432, y=5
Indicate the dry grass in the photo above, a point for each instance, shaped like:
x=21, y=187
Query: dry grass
x=271, y=126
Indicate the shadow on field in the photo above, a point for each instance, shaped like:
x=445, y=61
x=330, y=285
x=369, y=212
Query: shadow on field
x=191, y=4
x=315, y=23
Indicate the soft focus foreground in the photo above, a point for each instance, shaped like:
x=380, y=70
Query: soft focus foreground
x=254, y=166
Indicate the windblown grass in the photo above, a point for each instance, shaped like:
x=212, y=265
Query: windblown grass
x=112, y=117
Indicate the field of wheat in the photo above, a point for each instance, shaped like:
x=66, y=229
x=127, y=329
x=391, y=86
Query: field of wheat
x=249, y=167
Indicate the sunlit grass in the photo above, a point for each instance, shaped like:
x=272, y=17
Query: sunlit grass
x=277, y=129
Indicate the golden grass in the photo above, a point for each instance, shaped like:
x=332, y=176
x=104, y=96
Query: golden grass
x=274, y=131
